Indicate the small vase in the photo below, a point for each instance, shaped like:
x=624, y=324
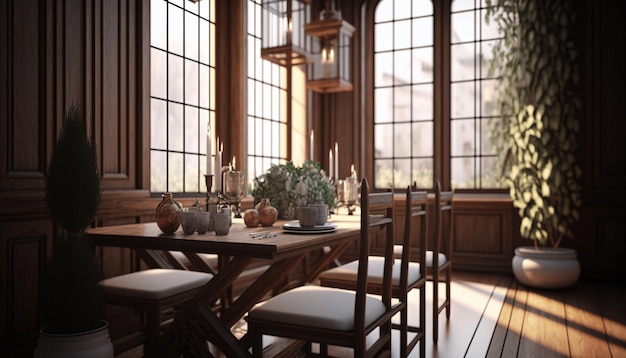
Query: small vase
x=168, y=214
x=267, y=213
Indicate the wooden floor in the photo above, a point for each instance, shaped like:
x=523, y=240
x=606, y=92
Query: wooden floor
x=494, y=316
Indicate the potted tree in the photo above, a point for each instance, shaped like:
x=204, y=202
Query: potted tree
x=536, y=61
x=71, y=299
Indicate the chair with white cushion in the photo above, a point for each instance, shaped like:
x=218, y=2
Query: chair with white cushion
x=153, y=291
x=333, y=316
x=439, y=260
x=406, y=276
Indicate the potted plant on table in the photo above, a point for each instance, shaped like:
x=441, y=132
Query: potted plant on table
x=536, y=62
x=72, y=300
x=288, y=186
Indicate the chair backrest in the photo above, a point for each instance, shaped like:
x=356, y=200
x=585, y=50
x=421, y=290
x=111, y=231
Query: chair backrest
x=415, y=207
x=376, y=213
x=443, y=223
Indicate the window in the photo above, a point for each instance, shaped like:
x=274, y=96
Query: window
x=432, y=120
x=474, y=162
x=267, y=124
x=182, y=93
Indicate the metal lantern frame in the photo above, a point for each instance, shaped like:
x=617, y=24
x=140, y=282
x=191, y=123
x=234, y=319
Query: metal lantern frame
x=284, y=41
x=331, y=49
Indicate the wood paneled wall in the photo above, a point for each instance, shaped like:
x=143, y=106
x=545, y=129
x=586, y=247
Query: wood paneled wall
x=95, y=53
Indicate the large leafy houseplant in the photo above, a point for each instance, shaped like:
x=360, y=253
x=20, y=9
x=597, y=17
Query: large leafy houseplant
x=72, y=298
x=536, y=62
x=289, y=186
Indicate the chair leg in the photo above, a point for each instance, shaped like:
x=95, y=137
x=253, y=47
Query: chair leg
x=448, y=296
x=404, y=327
x=435, y=307
x=153, y=327
x=423, y=329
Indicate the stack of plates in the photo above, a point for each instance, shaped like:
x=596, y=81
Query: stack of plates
x=294, y=227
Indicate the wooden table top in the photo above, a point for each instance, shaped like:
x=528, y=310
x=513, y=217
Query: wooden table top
x=238, y=242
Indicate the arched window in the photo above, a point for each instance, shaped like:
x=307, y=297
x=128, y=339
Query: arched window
x=433, y=97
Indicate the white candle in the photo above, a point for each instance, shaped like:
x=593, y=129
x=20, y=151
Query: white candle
x=209, y=151
x=312, y=140
x=218, y=166
x=233, y=162
x=336, y=160
x=331, y=165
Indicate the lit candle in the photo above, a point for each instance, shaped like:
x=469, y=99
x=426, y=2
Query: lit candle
x=311, y=149
x=336, y=160
x=233, y=163
x=331, y=165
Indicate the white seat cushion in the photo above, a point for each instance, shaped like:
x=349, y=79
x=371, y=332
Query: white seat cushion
x=429, y=259
x=375, y=271
x=317, y=307
x=155, y=284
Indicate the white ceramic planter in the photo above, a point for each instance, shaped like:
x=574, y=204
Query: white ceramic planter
x=96, y=344
x=546, y=267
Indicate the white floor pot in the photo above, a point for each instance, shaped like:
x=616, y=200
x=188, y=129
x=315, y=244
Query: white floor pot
x=96, y=344
x=546, y=267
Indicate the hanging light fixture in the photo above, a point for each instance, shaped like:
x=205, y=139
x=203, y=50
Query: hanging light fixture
x=283, y=39
x=331, y=48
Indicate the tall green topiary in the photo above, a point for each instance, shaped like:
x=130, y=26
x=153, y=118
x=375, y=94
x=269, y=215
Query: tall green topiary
x=72, y=298
x=536, y=62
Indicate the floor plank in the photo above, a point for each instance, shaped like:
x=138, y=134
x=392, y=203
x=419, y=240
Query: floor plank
x=495, y=316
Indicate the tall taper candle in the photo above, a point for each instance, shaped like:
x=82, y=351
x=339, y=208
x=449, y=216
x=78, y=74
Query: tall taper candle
x=218, y=166
x=331, y=164
x=336, y=160
x=209, y=151
x=311, y=149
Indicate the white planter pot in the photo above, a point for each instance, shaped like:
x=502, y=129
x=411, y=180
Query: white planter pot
x=546, y=267
x=96, y=344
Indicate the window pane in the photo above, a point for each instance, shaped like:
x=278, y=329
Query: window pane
x=191, y=36
x=191, y=82
x=402, y=104
x=422, y=7
x=490, y=173
x=158, y=124
x=422, y=106
x=175, y=30
x=175, y=127
x=422, y=140
x=191, y=129
x=462, y=137
x=384, y=32
x=422, y=32
x=175, y=172
x=158, y=171
x=462, y=96
x=402, y=140
x=175, y=78
x=401, y=173
x=384, y=105
x=463, y=172
x=422, y=65
x=463, y=27
x=192, y=171
x=158, y=73
x=383, y=72
x=158, y=17
x=404, y=28
x=383, y=138
x=462, y=62
x=422, y=173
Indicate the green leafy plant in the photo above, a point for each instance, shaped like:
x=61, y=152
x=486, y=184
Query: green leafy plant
x=72, y=298
x=536, y=62
x=289, y=186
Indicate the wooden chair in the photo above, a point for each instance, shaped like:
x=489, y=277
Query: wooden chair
x=439, y=260
x=406, y=275
x=332, y=316
x=153, y=291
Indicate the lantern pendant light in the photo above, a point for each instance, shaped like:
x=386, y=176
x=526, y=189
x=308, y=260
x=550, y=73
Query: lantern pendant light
x=331, y=48
x=283, y=39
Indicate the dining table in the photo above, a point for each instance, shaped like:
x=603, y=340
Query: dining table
x=196, y=323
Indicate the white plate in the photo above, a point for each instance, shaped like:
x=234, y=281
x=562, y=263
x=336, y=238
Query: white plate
x=294, y=226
